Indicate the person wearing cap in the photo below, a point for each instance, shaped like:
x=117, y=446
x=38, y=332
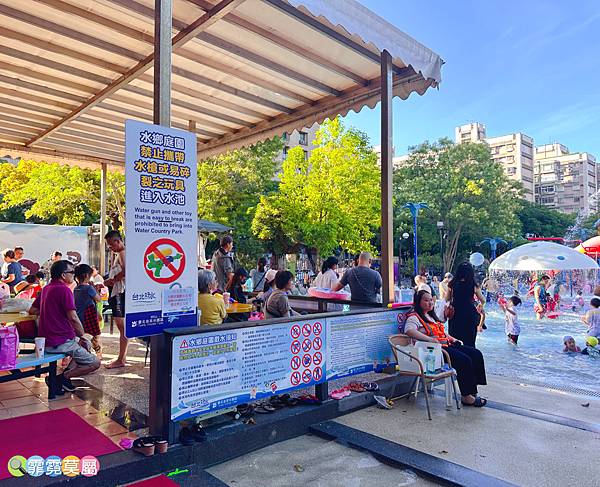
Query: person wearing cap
x=570, y=345
x=269, y=285
x=590, y=349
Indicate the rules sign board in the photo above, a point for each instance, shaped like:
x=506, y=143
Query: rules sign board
x=161, y=228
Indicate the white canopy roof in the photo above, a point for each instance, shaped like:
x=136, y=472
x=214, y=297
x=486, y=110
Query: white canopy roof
x=543, y=256
x=243, y=70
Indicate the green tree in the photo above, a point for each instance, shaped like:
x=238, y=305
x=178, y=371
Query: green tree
x=230, y=186
x=464, y=188
x=327, y=202
x=543, y=221
x=58, y=194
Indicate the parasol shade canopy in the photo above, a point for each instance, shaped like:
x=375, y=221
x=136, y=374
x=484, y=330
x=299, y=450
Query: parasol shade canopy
x=543, y=256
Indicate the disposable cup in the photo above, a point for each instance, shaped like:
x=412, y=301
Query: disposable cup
x=40, y=344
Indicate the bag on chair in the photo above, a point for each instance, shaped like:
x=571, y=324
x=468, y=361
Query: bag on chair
x=9, y=347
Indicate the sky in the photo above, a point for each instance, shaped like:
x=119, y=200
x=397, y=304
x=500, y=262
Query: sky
x=528, y=66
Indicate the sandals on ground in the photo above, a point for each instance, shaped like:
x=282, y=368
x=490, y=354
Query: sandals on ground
x=478, y=403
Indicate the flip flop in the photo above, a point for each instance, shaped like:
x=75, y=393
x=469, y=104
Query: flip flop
x=340, y=393
x=276, y=402
x=245, y=410
x=382, y=401
x=479, y=402
x=144, y=446
x=309, y=399
x=264, y=409
x=356, y=387
x=370, y=386
x=289, y=401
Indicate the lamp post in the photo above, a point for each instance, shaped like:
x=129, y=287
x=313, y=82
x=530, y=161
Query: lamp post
x=400, y=238
x=414, y=211
x=440, y=227
x=493, y=241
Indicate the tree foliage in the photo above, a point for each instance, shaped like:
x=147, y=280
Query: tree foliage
x=542, y=221
x=54, y=193
x=464, y=188
x=330, y=201
x=230, y=186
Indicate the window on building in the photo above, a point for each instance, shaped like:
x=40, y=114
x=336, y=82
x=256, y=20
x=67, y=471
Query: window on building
x=285, y=151
x=511, y=171
x=303, y=139
x=285, y=136
x=305, y=155
x=548, y=189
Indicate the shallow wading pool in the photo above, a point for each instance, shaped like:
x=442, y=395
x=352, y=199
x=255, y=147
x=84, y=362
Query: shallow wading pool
x=538, y=358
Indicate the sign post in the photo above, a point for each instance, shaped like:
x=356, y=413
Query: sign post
x=161, y=229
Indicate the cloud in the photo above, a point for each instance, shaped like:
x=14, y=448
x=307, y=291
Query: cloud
x=566, y=120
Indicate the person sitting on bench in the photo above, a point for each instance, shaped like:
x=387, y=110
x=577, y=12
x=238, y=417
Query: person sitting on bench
x=59, y=324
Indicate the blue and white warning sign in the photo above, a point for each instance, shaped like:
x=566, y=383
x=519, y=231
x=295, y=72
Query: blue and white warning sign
x=161, y=237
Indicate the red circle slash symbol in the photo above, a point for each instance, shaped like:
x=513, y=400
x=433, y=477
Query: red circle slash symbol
x=295, y=363
x=306, y=345
x=317, y=373
x=306, y=376
x=164, y=261
x=295, y=378
x=295, y=347
x=306, y=330
x=317, y=358
x=317, y=328
x=317, y=343
x=306, y=360
x=295, y=331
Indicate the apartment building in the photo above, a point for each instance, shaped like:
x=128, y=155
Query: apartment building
x=304, y=138
x=566, y=181
x=515, y=152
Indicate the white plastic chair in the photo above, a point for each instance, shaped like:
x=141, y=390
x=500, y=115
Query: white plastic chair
x=410, y=364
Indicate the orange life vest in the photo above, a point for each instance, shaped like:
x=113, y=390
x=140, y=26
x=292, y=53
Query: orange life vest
x=434, y=329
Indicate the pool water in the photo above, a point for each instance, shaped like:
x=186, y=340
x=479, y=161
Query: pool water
x=538, y=358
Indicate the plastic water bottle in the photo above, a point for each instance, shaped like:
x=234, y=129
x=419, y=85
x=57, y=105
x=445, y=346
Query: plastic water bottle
x=397, y=294
x=430, y=361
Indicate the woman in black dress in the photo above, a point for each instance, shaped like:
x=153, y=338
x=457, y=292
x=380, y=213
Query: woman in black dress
x=463, y=292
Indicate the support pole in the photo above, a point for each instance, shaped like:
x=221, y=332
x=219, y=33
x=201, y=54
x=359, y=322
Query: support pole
x=163, y=21
x=160, y=386
x=387, y=229
x=103, y=189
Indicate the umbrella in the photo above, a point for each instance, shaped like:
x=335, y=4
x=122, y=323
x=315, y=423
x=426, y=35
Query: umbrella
x=543, y=256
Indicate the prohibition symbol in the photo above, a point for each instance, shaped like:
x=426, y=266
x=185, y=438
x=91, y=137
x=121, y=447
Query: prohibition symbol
x=306, y=376
x=306, y=360
x=295, y=347
x=317, y=328
x=164, y=261
x=317, y=358
x=317, y=373
x=306, y=345
x=295, y=363
x=317, y=343
x=295, y=378
x=295, y=331
x=306, y=330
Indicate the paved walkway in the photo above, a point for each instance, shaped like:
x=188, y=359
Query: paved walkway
x=529, y=436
